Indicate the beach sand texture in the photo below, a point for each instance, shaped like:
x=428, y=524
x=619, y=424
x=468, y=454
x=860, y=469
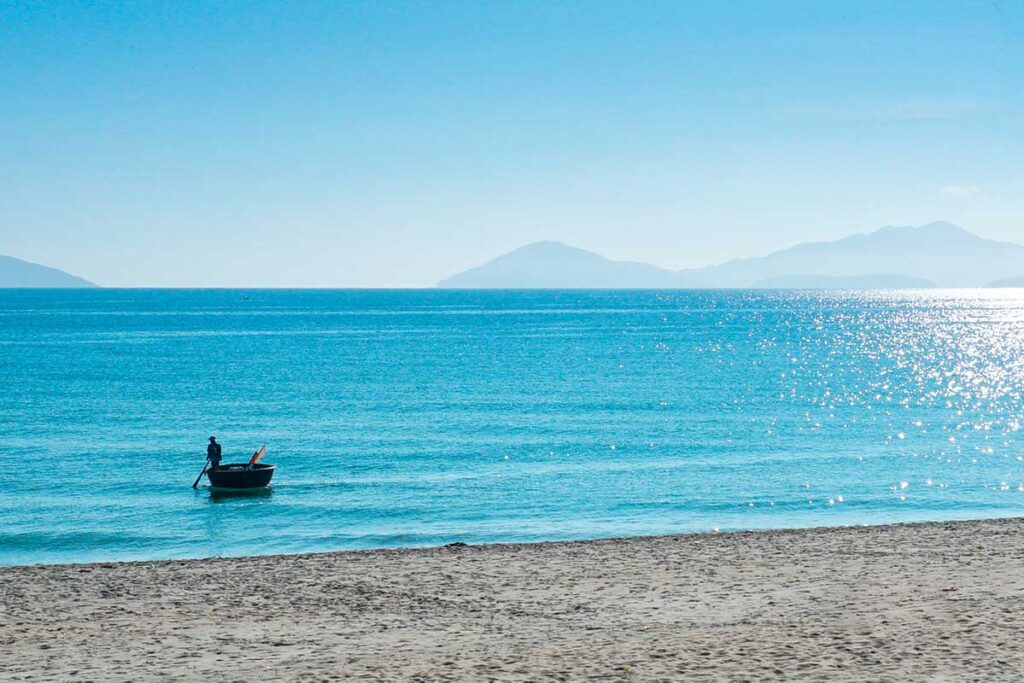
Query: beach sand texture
x=938, y=601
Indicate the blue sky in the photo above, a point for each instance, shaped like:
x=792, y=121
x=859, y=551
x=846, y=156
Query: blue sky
x=391, y=144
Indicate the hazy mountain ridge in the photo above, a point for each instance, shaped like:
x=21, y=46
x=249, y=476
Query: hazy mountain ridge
x=873, y=281
x=1008, y=282
x=940, y=252
x=16, y=274
x=934, y=255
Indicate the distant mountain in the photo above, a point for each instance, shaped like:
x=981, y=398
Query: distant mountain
x=553, y=265
x=875, y=281
x=943, y=253
x=1008, y=282
x=15, y=273
x=937, y=254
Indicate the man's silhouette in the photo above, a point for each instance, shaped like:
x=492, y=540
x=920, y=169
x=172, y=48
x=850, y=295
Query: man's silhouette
x=213, y=453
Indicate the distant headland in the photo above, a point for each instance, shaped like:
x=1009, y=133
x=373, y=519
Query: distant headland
x=15, y=273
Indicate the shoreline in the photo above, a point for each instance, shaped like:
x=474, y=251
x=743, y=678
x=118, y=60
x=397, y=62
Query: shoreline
x=405, y=548
x=910, y=600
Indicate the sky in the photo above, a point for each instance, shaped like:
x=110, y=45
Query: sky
x=391, y=144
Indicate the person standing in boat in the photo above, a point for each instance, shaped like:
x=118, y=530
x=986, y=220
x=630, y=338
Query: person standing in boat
x=213, y=453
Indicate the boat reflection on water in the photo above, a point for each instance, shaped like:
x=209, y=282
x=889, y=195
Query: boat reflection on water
x=219, y=495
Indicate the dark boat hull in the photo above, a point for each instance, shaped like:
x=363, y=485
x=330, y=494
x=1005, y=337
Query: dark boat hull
x=241, y=476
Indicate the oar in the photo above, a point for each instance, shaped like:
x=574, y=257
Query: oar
x=196, y=483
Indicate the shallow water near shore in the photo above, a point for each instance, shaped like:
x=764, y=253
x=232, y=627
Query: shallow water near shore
x=403, y=418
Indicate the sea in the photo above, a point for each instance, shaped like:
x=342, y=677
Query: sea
x=427, y=417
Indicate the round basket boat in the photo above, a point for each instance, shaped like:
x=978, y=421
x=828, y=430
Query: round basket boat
x=241, y=476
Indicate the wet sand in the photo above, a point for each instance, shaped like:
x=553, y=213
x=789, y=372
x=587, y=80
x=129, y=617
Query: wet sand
x=941, y=601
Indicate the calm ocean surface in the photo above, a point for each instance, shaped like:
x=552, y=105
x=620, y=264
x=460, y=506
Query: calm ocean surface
x=403, y=418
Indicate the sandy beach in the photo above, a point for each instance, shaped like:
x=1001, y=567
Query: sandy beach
x=924, y=601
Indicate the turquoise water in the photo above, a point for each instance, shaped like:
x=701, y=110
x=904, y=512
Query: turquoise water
x=401, y=418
